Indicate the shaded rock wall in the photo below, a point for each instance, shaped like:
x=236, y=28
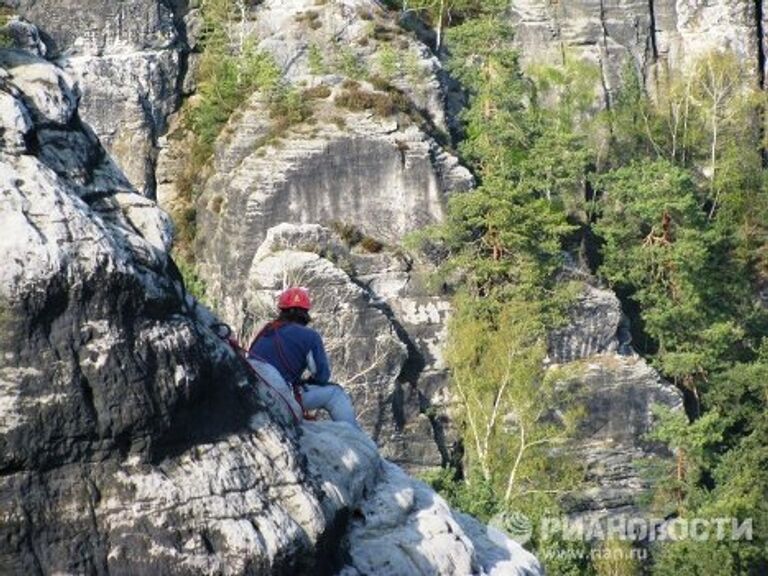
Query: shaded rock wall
x=618, y=391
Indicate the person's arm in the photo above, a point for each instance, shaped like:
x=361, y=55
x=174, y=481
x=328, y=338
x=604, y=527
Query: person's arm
x=317, y=361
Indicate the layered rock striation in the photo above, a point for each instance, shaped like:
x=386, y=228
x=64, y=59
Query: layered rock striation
x=618, y=392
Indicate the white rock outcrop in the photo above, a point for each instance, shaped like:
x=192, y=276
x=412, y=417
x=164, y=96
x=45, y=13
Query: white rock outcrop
x=656, y=39
x=132, y=439
x=129, y=59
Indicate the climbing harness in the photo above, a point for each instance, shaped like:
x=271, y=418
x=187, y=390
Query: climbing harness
x=224, y=331
x=296, y=387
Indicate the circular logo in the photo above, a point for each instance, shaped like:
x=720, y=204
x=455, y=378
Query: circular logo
x=513, y=525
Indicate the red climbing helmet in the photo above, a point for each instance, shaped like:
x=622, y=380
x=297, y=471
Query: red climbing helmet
x=294, y=298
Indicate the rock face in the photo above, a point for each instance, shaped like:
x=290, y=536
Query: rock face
x=618, y=391
x=594, y=326
x=129, y=59
x=655, y=38
x=132, y=439
x=382, y=332
x=371, y=176
x=353, y=173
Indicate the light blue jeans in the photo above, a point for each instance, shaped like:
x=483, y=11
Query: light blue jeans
x=330, y=397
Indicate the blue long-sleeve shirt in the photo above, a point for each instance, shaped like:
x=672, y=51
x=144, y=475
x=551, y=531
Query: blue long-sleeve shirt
x=293, y=348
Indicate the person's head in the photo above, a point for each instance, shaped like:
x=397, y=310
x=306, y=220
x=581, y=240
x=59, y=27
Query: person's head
x=294, y=305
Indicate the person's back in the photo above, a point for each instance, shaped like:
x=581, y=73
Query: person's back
x=292, y=348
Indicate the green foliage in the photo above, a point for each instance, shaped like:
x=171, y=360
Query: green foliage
x=508, y=402
x=225, y=80
x=504, y=241
x=508, y=232
x=350, y=64
x=681, y=217
x=615, y=558
x=387, y=62
x=662, y=251
x=316, y=61
x=565, y=557
x=690, y=442
x=672, y=195
x=193, y=283
x=475, y=496
x=289, y=108
x=6, y=39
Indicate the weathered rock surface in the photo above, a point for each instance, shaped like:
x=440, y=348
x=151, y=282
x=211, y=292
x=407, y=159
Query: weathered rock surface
x=654, y=38
x=356, y=173
x=617, y=390
x=386, y=355
x=371, y=175
x=132, y=439
x=618, y=393
x=402, y=526
x=129, y=59
x=349, y=34
x=595, y=325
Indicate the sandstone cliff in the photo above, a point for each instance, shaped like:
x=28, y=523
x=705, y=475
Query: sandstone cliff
x=284, y=209
x=132, y=439
x=278, y=212
x=365, y=176
x=657, y=38
x=129, y=60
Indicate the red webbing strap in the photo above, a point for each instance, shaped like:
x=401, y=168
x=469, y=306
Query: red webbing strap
x=274, y=325
x=242, y=354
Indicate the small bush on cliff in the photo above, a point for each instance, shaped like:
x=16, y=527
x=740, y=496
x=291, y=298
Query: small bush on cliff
x=320, y=92
x=386, y=102
x=193, y=284
x=316, y=61
x=230, y=71
x=6, y=39
x=349, y=233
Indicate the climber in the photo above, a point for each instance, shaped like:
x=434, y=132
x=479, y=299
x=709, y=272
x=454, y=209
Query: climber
x=288, y=345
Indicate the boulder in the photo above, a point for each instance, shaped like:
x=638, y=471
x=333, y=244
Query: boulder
x=595, y=324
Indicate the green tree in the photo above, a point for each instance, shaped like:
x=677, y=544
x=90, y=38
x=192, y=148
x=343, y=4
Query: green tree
x=507, y=399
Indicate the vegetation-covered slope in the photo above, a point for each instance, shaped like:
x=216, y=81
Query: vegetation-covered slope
x=665, y=200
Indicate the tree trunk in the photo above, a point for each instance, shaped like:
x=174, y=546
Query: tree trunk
x=439, y=30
